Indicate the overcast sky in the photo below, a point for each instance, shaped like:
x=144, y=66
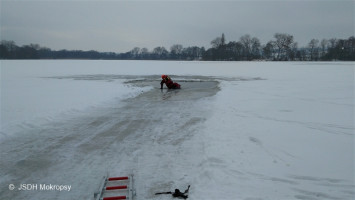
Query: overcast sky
x=119, y=26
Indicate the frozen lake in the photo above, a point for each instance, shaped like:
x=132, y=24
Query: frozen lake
x=236, y=130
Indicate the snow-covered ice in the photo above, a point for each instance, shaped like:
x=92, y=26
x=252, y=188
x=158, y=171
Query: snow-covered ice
x=236, y=130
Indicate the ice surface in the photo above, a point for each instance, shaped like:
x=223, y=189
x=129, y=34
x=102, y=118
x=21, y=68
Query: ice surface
x=236, y=130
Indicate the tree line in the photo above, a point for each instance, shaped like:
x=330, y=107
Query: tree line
x=248, y=48
x=282, y=48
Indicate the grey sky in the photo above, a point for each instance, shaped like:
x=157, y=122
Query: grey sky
x=119, y=26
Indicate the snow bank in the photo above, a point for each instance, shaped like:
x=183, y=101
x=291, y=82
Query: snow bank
x=264, y=143
x=37, y=92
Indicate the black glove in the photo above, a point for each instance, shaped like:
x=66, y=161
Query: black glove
x=187, y=190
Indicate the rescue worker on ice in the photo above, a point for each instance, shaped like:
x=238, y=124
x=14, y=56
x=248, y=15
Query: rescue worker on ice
x=177, y=193
x=168, y=82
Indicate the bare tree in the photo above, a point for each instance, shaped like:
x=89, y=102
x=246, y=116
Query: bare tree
x=10, y=45
x=255, y=48
x=176, y=51
x=268, y=50
x=223, y=40
x=313, y=46
x=144, y=53
x=332, y=43
x=234, y=51
x=216, y=43
x=219, y=42
x=292, y=52
x=135, y=52
x=160, y=53
x=283, y=44
x=246, y=41
x=35, y=46
x=324, y=44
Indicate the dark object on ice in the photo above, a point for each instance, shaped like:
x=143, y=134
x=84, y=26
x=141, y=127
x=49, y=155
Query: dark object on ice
x=168, y=82
x=177, y=193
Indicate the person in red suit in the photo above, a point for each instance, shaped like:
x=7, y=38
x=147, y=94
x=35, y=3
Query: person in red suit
x=168, y=82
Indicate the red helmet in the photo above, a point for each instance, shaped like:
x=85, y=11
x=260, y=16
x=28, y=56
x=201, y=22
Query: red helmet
x=163, y=76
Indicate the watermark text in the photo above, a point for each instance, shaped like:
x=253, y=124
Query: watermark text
x=40, y=187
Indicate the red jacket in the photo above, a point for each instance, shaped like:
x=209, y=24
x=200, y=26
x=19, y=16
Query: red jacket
x=169, y=83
